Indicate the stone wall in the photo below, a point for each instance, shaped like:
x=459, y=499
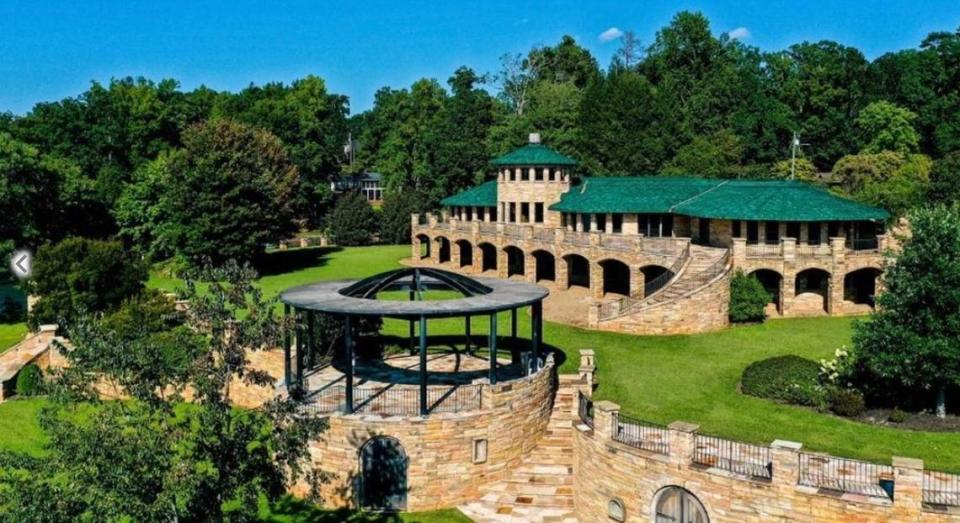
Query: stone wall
x=605, y=469
x=442, y=472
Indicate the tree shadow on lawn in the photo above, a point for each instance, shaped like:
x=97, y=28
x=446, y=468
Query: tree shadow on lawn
x=281, y=262
x=290, y=509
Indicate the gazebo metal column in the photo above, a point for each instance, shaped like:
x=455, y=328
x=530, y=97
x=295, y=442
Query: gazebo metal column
x=536, y=327
x=493, y=348
x=348, y=342
x=466, y=328
x=423, y=365
x=298, y=318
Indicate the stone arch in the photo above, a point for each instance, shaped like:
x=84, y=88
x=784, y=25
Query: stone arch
x=578, y=270
x=813, y=282
x=443, y=249
x=772, y=281
x=423, y=244
x=655, y=277
x=546, y=265
x=383, y=474
x=488, y=257
x=515, y=261
x=466, y=253
x=616, y=276
x=860, y=286
x=673, y=503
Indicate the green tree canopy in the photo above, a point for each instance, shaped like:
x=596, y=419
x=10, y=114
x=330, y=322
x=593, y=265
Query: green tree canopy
x=352, y=221
x=913, y=336
x=226, y=194
x=887, y=127
x=897, y=182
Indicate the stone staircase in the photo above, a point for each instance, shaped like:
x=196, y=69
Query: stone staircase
x=704, y=265
x=540, y=489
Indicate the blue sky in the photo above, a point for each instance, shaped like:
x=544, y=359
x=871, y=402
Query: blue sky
x=50, y=49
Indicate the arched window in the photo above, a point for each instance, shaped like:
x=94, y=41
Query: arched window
x=678, y=505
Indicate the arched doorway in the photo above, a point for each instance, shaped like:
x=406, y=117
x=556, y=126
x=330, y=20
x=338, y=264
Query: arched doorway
x=812, y=290
x=488, y=257
x=655, y=277
x=578, y=270
x=860, y=286
x=616, y=277
x=383, y=475
x=443, y=249
x=466, y=253
x=514, y=260
x=546, y=265
x=771, y=281
x=424, y=242
x=678, y=505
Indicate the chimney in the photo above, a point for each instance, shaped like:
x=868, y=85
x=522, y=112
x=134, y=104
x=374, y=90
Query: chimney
x=534, y=137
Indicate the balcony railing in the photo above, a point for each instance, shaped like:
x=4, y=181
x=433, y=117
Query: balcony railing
x=585, y=409
x=940, y=488
x=822, y=249
x=764, y=250
x=641, y=434
x=863, y=244
x=846, y=475
x=394, y=401
x=734, y=456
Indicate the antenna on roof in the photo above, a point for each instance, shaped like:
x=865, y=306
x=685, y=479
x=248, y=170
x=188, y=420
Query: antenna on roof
x=795, y=146
x=534, y=137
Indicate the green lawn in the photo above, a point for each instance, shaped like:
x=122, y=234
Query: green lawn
x=11, y=334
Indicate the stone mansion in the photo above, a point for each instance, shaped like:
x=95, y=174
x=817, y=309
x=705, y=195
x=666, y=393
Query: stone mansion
x=655, y=254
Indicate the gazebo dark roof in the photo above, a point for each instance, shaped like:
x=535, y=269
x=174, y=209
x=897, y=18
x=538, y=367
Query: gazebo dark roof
x=358, y=298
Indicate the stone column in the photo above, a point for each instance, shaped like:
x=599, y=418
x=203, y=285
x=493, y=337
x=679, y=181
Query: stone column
x=631, y=224
x=435, y=252
x=682, y=442
x=415, y=249
x=560, y=273
x=593, y=315
x=804, y=232
x=739, y=252
x=908, y=498
x=529, y=267
x=596, y=280
x=501, y=263
x=786, y=464
x=588, y=367
x=432, y=220
x=604, y=414
x=455, y=255
x=789, y=249
x=637, y=280
x=608, y=225
x=788, y=290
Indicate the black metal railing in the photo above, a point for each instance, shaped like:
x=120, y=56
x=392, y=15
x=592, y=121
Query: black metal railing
x=734, y=456
x=585, y=409
x=394, y=401
x=941, y=488
x=846, y=475
x=871, y=243
x=641, y=434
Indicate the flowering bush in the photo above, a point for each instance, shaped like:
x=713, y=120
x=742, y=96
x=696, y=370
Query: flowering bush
x=838, y=371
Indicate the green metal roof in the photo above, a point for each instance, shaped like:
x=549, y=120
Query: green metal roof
x=534, y=154
x=483, y=195
x=721, y=199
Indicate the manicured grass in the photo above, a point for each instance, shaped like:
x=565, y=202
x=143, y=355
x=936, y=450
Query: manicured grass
x=11, y=334
x=19, y=427
x=291, y=510
x=663, y=379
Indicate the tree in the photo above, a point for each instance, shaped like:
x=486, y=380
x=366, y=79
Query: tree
x=715, y=156
x=395, y=215
x=630, y=51
x=887, y=127
x=945, y=179
x=85, y=275
x=748, y=298
x=894, y=181
x=154, y=457
x=224, y=195
x=802, y=169
x=352, y=221
x=566, y=62
x=911, y=337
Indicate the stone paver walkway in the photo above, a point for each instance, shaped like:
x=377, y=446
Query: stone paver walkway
x=540, y=489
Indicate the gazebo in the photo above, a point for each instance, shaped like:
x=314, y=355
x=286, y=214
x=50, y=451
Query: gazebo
x=352, y=300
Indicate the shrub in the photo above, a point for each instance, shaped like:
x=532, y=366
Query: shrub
x=29, y=380
x=748, y=298
x=352, y=221
x=11, y=311
x=897, y=416
x=848, y=403
x=395, y=216
x=791, y=379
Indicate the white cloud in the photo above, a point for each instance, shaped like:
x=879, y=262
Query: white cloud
x=610, y=34
x=740, y=33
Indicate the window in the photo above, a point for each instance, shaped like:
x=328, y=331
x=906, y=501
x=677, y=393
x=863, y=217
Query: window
x=538, y=174
x=736, y=228
x=618, y=223
x=480, y=451
x=753, y=233
x=678, y=505
x=772, y=232
x=513, y=212
x=601, y=222
x=615, y=510
x=833, y=230
x=813, y=233
x=573, y=221
x=493, y=214
x=469, y=214
x=793, y=230
x=538, y=212
x=524, y=175
x=525, y=212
